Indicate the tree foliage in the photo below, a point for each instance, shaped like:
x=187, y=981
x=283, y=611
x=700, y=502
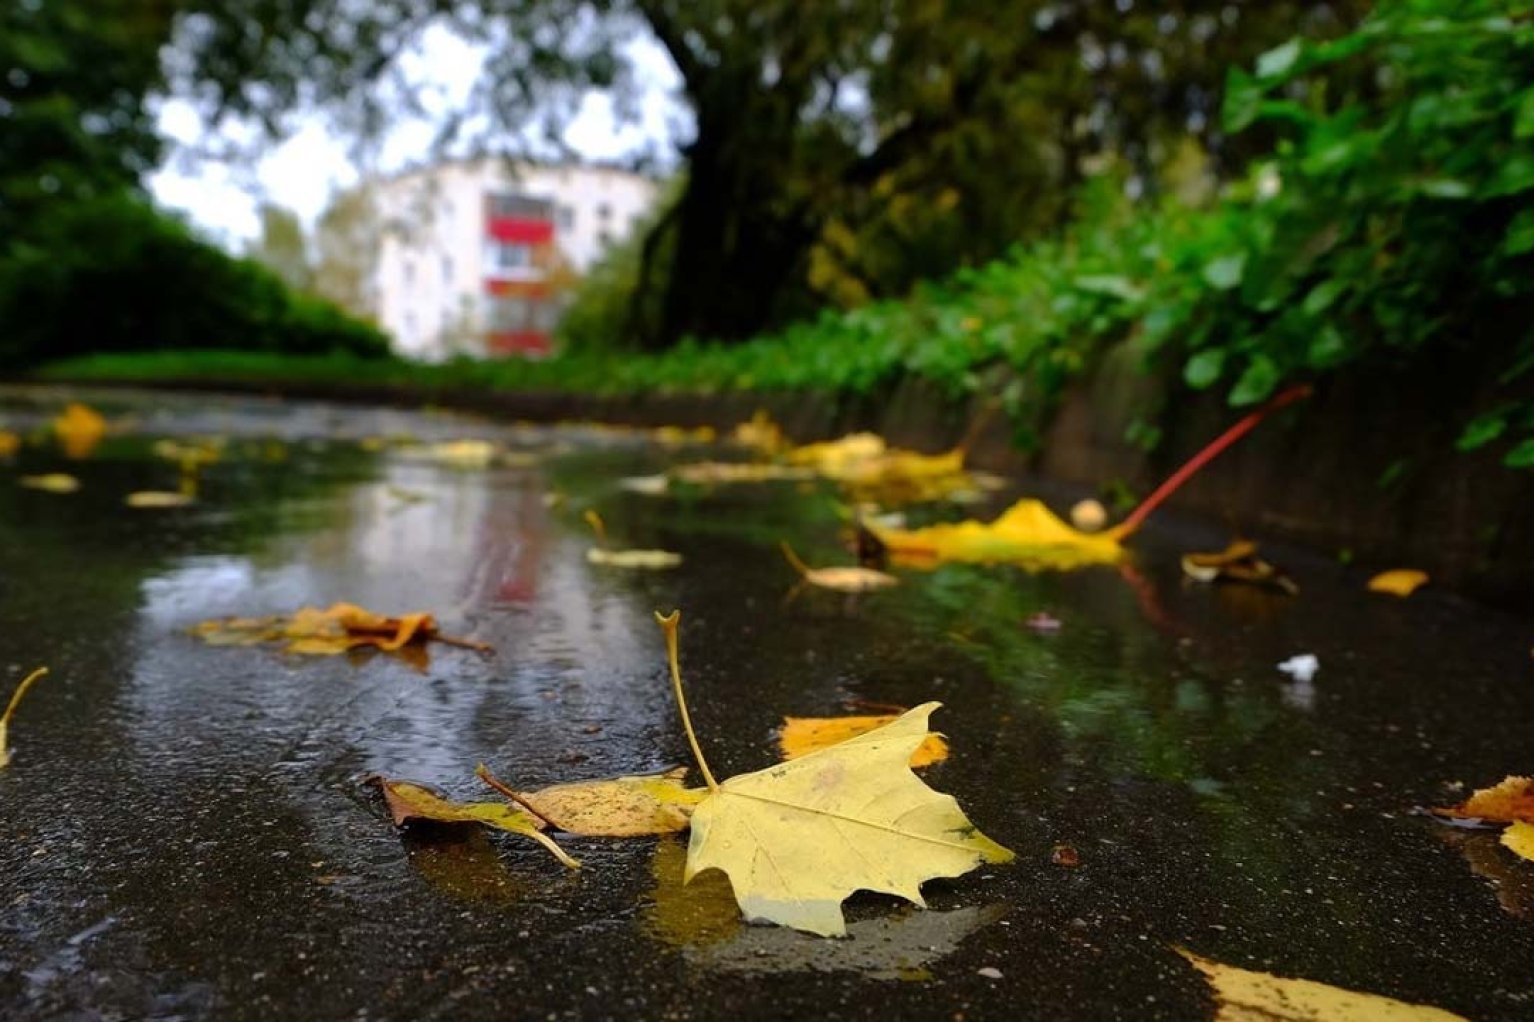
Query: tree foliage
x=840, y=150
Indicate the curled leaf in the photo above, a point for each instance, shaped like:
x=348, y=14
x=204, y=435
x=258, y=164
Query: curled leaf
x=10, y=711
x=843, y=579
x=1237, y=563
x=336, y=629
x=1510, y=802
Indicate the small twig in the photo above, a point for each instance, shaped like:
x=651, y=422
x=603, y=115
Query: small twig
x=474, y=644
x=483, y=773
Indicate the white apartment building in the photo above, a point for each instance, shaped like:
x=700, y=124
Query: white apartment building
x=474, y=256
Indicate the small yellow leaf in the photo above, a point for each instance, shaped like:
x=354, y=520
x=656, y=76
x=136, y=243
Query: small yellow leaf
x=798, y=838
x=1520, y=838
x=53, y=482
x=845, y=579
x=801, y=736
x=1027, y=534
x=409, y=801
x=761, y=433
x=1399, y=582
x=618, y=806
x=1238, y=562
x=79, y=429
x=650, y=486
x=654, y=559
x=10, y=711
x=1245, y=996
x=336, y=629
x=158, y=499
x=10, y=443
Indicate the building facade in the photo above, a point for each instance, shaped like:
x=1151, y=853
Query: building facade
x=476, y=257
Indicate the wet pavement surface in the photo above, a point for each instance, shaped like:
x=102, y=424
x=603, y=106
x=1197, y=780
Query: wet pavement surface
x=188, y=832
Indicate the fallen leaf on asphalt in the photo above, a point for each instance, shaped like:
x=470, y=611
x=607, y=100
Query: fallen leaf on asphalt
x=336, y=629
x=410, y=801
x=801, y=736
x=79, y=429
x=1510, y=803
x=798, y=838
x=53, y=482
x=600, y=554
x=1027, y=534
x=464, y=454
x=674, y=435
x=10, y=443
x=158, y=498
x=191, y=455
x=650, y=486
x=848, y=579
x=867, y=465
x=617, y=806
x=10, y=711
x=1237, y=563
x=1398, y=582
x=1242, y=995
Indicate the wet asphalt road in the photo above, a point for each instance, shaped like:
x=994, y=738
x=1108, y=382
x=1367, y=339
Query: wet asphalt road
x=188, y=833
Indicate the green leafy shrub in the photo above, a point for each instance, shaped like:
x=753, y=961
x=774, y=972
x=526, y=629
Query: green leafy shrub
x=111, y=274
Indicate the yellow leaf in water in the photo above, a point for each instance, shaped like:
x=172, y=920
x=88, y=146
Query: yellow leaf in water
x=1027, y=534
x=654, y=559
x=1398, y=582
x=801, y=736
x=870, y=467
x=53, y=482
x=10, y=711
x=848, y=579
x=79, y=429
x=1245, y=996
x=618, y=806
x=158, y=498
x=408, y=801
x=1238, y=562
x=464, y=454
x=1520, y=838
x=10, y=443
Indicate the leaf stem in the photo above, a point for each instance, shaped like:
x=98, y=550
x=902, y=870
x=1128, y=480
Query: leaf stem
x=484, y=774
x=669, y=625
x=1209, y=453
x=793, y=558
x=10, y=711
x=595, y=521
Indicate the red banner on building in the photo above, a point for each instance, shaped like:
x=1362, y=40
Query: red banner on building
x=521, y=232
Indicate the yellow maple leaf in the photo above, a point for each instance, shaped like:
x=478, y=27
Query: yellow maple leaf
x=10, y=711
x=801, y=736
x=409, y=801
x=79, y=429
x=617, y=806
x=798, y=838
x=1026, y=534
x=1242, y=995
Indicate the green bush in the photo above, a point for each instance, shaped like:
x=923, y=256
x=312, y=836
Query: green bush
x=110, y=274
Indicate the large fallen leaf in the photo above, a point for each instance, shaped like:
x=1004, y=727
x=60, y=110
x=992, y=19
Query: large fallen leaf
x=1512, y=803
x=798, y=838
x=849, y=579
x=52, y=482
x=410, y=801
x=618, y=806
x=333, y=630
x=1027, y=534
x=1398, y=582
x=1245, y=996
x=79, y=429
x=10, y=711
x=801, y=736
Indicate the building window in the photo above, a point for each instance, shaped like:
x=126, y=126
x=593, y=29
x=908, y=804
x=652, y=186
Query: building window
x=604, y=211
x=508, y=206
x=510, y=255
x=447, y=270
x=508, y=314
x=565, y=218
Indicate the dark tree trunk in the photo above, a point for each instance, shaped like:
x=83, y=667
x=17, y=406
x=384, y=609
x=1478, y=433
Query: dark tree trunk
x=741, y=238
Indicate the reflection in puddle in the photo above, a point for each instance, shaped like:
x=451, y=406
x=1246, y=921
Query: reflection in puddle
x=1489, y=860
x=702, y=919
x=463, y=863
